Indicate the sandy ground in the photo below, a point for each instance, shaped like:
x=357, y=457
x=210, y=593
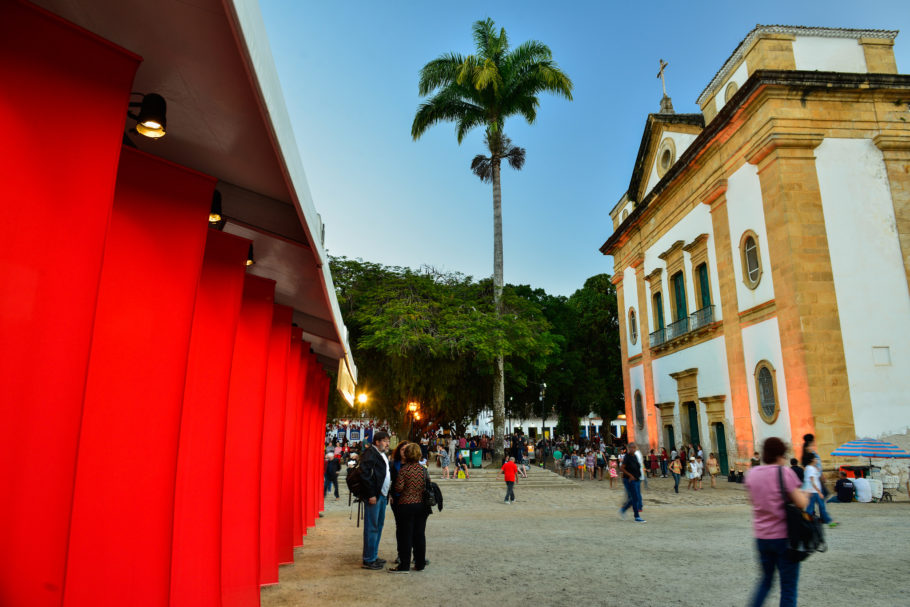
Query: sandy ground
x=566, y=545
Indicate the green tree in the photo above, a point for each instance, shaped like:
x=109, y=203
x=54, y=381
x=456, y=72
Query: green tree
x=482, y=90
x=430, y=337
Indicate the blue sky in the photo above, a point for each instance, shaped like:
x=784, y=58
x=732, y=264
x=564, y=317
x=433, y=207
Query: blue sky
x=349, y=73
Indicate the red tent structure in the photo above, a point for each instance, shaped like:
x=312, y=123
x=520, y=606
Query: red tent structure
x=168, y=321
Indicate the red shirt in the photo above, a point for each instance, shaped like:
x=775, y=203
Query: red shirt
x=510, y=470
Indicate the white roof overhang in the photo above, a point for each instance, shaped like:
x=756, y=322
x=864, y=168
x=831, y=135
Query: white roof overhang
x=226, y=117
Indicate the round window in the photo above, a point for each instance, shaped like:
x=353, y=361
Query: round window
x=639, y=411
x=666, y=156
x=766, y=391
x=751, y=259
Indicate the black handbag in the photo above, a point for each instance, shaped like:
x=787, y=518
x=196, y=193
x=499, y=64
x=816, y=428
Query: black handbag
x=804, y=530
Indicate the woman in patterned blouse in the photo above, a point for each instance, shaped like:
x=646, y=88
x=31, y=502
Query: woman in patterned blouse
x=411, y=516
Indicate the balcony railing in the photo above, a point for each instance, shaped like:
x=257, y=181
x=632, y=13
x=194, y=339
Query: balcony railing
x=701, y=318
x=658, y=337
x=693, y=322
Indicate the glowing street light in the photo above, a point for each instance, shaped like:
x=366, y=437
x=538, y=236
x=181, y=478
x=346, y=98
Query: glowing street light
x=412, y=407
x=362, y=398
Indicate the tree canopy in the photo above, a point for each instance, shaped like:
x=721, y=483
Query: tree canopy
x=429, y=337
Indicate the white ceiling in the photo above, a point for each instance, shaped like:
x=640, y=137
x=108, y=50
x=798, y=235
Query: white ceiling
x=195, y=56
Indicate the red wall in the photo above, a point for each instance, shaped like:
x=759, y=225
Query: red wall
x=121, y=528
x=56, y=188
x=196, y=558
x=162, y=438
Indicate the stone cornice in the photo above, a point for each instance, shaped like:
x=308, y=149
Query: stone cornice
x=775, y=140
x=673, y=248
x=684, y=374
x=654, y=275
x=708, y=400
x=699, y=241
x=714, y=191
x=892, y=141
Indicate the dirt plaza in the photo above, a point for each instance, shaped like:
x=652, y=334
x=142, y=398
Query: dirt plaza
x=563, y=543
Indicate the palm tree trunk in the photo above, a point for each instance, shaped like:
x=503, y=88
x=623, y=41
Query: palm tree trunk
x=499, y=383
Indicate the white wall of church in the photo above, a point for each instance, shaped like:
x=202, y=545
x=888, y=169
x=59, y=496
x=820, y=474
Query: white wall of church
x=630, y=298
x=761, y=341
x=681, y=141
x=739, y=75
x=869, y=281
x=828, y=54
x=746, y=212
x=694, y=224
x=710, y=358
x=637, y=382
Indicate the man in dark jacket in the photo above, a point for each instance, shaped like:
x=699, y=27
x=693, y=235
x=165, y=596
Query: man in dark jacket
x=332, y=466
x=375, y=469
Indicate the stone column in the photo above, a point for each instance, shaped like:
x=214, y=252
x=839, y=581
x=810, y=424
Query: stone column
x=644, y=324
x=617, y=280
x=812, y=348
x=896, y=153
x=716, y=198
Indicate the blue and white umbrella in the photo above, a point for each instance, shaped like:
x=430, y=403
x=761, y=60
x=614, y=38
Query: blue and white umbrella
x=869, y=447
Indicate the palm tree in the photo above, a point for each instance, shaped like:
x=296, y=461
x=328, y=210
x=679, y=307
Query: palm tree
x=483, y=90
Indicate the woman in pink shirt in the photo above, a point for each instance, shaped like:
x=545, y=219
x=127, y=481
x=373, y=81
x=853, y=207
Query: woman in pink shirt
x=769, y=520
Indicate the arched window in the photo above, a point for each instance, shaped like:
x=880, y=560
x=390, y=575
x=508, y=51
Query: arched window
x=625, y=214
x=751, y=259
x=633, y=327
x=766, y=391
x=730, y=91
x=639, y=410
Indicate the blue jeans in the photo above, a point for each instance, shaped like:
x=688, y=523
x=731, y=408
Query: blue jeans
x=510, y=491
x=773, y=554
x=814, y=499
x=373, y=520
x=675, y=482
x=328, y=486
x=663, y=467
x=633, y=490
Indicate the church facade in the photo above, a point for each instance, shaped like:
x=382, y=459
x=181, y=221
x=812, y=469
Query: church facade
x=762, y=250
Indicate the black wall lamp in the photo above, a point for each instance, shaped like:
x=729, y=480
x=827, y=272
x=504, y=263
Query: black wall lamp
x=215, y=212
x=151, y=121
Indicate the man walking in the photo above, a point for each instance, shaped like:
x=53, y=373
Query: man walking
x=375, y=467
x=631, y=480
x=509, y=469
x=332, y=466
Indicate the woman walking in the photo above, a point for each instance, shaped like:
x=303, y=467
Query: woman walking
x=769, y=521
x=676, y=470
x=613, y=471
x=713, y=468
x=589, y=464
x=664, y=462
x=443, y=458
x=692, y=474
x=411, y=516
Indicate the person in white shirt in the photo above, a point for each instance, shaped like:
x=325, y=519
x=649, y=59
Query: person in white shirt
x=692, y=473
x=812, y=486
x=641, y=463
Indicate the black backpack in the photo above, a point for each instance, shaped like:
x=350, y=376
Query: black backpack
x=358, y=484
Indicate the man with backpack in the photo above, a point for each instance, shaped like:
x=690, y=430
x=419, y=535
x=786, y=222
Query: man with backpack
x=375, y=471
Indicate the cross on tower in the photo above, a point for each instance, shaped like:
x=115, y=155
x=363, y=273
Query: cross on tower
x=660, y=74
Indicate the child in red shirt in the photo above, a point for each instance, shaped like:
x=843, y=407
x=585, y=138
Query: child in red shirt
x=510, y=470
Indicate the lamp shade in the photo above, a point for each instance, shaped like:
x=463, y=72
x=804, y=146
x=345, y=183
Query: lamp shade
x=152, y=119
x=215, y=211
